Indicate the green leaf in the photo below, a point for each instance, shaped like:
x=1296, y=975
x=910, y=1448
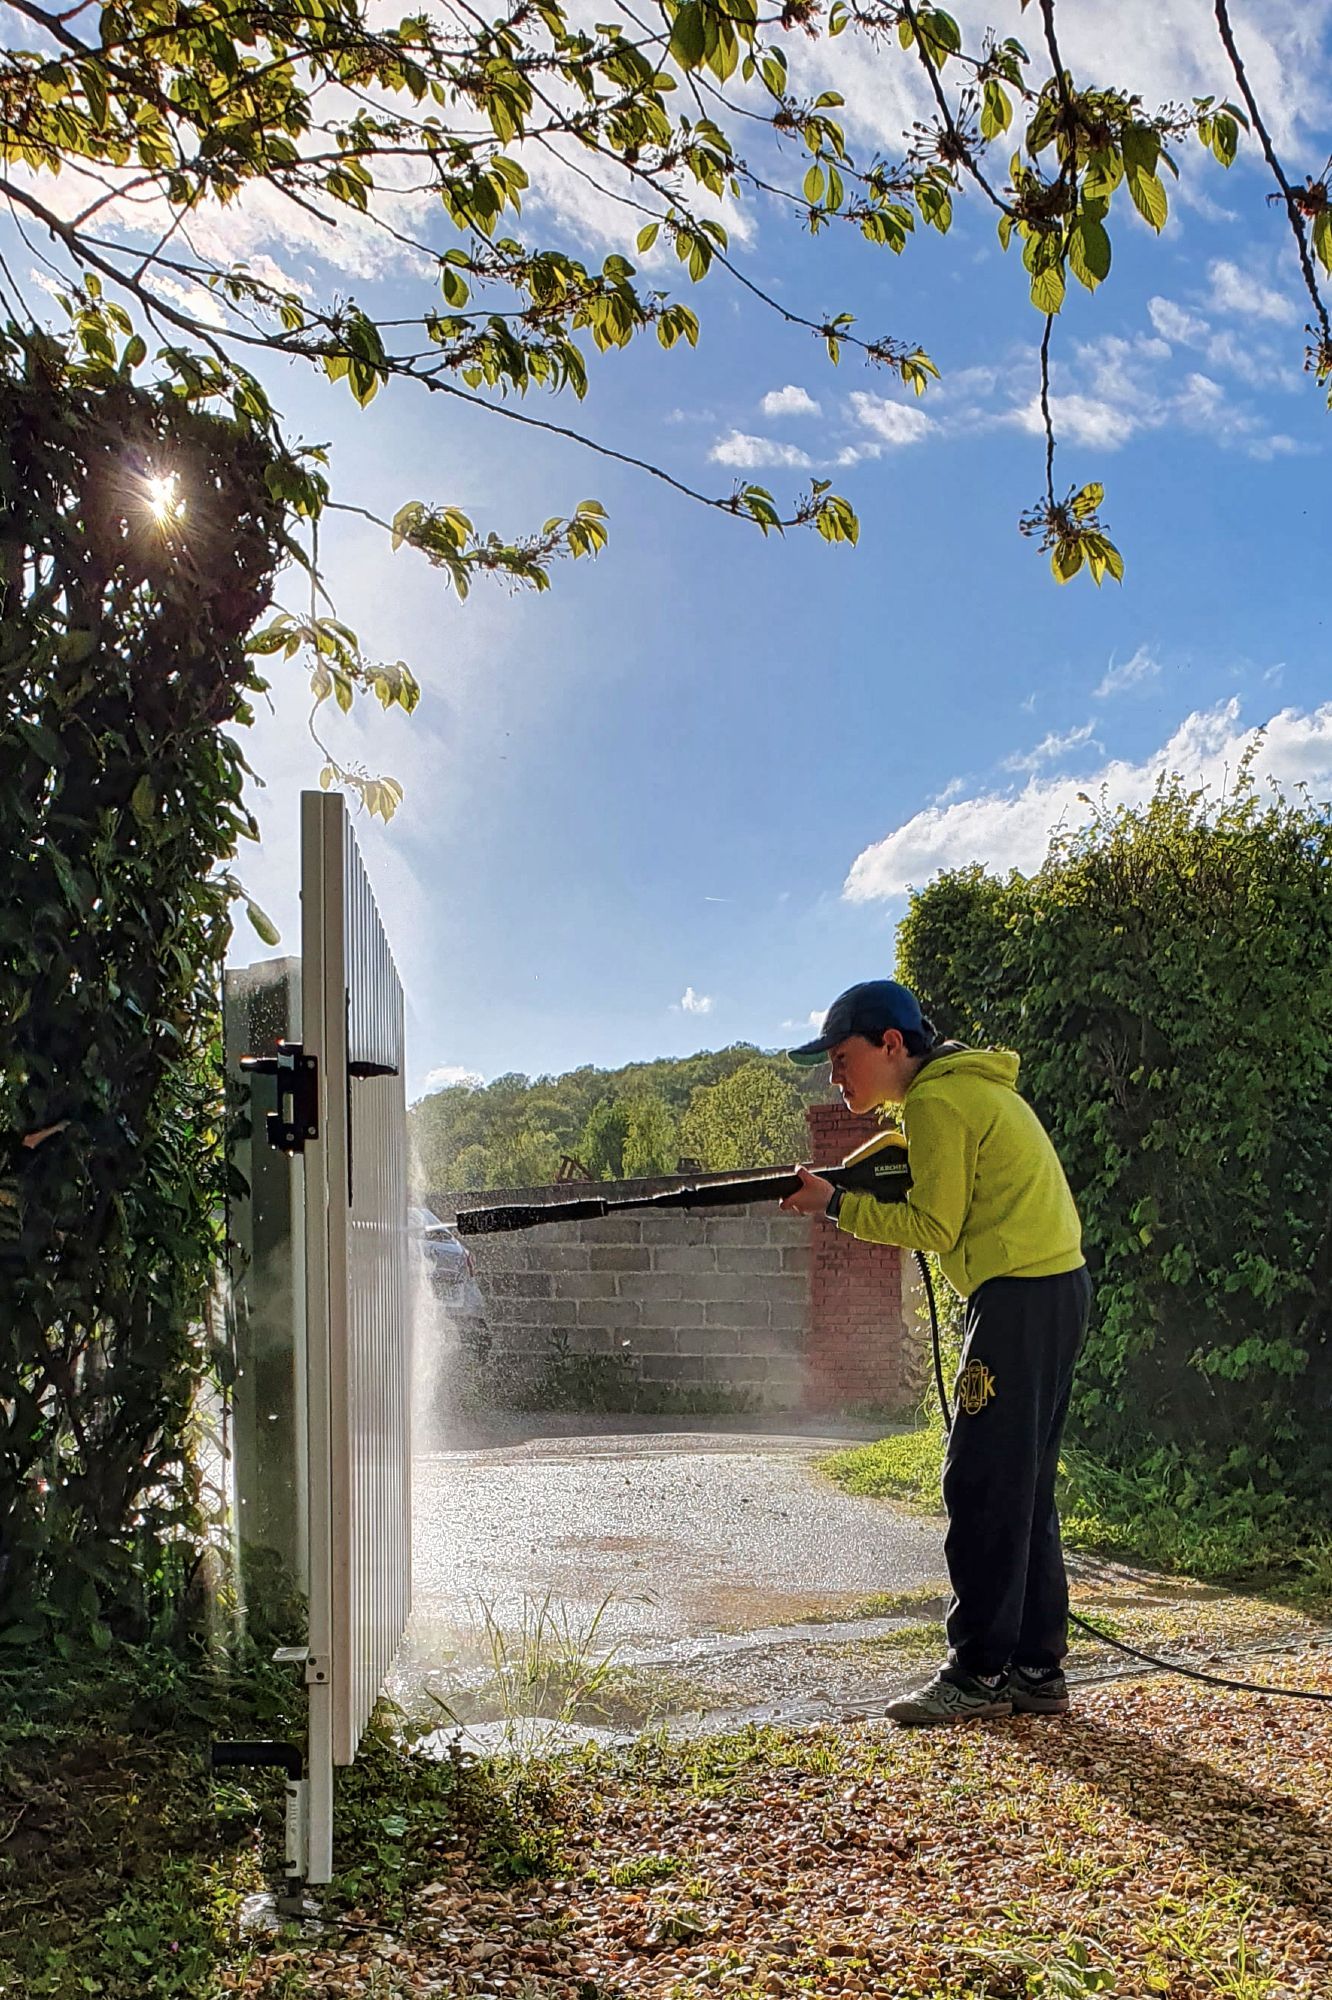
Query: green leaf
x=143, y=801
x=1141, y=147
x=1322, y=238
x=1108, y=561
x=1047, y=289
x=1149, y=198
x=263, y=923
x=996, y=110
x=1089, y=252
x=1066, y=558
x=647, y=236
x=689, y=40
x=1225, y=138
x=814, y=185
x=1088, y=500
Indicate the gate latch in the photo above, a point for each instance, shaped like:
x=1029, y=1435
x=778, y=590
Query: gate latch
x=298, y=1081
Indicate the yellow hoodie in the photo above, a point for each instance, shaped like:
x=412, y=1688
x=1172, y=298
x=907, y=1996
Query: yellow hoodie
x=987, y=1190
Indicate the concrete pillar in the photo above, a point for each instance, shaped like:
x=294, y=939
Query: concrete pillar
x=857, y=1337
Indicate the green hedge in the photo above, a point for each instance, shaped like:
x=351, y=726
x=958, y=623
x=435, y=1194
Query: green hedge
x=1167, y=980
x=122, y=663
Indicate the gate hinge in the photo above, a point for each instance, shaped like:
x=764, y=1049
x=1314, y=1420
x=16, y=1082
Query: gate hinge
x=298, y=1080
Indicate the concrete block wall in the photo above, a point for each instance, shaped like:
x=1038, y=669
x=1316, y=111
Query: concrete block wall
x=705, y=1300
x=761, y=1309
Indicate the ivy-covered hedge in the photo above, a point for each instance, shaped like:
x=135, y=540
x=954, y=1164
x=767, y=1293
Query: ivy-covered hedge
x=1167, y=980
x=124, y=605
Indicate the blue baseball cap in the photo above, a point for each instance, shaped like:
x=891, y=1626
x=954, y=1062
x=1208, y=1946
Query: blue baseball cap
x=866, y=1009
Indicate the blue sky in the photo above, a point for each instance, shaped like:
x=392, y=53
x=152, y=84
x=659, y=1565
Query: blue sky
x=677, y=801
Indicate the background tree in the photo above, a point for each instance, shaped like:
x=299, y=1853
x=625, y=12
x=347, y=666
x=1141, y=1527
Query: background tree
x=651, y=1144
x=617, y=1122
x=601, y=1145
x=752, y=1118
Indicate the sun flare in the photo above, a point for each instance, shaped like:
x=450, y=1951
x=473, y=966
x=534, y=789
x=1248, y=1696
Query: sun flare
x=165, y=498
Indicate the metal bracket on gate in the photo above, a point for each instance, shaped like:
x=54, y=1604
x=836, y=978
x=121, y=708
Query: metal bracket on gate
x=298, y=1079
x=290, y=1760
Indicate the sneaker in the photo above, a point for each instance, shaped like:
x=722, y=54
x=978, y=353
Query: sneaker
x=952, y=1696
x=1038, y=1691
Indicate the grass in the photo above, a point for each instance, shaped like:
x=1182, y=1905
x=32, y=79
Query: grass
x=124, y=1870
x=111, y=1861
x=551, y=1666
x=1163, y=1522
x=124, y=1866
x=882, y=1604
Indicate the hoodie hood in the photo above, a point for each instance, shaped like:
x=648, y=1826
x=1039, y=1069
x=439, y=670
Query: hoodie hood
x=954, y=1059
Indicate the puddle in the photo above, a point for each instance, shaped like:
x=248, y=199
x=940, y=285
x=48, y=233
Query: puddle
x=521, y=1736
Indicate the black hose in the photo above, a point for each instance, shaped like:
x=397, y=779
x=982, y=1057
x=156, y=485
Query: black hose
x=1152, y=1659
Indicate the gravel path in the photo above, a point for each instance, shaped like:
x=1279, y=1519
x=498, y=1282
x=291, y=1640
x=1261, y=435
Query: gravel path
x=687, y=1532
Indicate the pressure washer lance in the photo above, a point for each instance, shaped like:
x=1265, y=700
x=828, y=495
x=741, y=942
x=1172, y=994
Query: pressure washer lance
x=879, y=1168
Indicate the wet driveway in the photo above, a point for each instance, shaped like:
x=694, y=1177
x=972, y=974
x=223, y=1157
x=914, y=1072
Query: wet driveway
x=687, y=1531
x=603, y=1575
x=713, y=1564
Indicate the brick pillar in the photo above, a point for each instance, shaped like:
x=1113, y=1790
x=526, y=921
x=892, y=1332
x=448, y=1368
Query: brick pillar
x=858, y=1339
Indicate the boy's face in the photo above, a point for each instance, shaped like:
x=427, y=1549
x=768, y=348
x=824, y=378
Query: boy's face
x=868, y=1073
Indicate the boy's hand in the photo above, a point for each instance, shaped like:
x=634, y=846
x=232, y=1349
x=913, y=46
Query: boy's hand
x=811, y=1197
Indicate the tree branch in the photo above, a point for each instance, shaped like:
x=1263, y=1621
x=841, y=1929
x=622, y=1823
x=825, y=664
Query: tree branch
x=961, y=148
x=1045, y=409
x=1269, y=150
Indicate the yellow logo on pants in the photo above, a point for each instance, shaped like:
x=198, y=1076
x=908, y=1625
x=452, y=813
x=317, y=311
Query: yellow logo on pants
x=975, y=1386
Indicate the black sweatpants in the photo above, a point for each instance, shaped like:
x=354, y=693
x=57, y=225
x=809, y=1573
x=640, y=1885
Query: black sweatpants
x=1010, y=1401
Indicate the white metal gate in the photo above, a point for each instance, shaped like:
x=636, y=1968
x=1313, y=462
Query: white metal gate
x=358, y=1334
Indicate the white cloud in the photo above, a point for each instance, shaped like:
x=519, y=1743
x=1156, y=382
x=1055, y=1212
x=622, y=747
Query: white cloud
x=1142, y=667
x=792, y=401
x=1174, y=322
x=600, y=203
x=1117, y=393
x=894, y=423
x=1256, y=361
x=1120, y=388
x=740, y=449
x=1189, y=194
x=695, y=1003
x=1233, y=290
x=451, y=1073
x=1276, y=446
x=1081, y=419
x=1051, y=748
x=1003, y=831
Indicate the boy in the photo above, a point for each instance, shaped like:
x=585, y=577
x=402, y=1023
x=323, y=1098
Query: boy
x=989, y=1196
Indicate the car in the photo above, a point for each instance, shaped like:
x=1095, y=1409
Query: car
x=448, y=1263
